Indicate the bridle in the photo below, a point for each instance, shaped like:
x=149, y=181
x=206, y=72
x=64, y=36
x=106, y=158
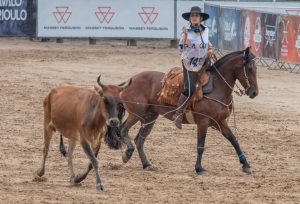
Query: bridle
x=245, y=62
x=240, y=91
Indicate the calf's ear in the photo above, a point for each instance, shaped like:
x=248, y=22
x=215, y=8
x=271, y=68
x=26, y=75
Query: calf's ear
x=99, y=90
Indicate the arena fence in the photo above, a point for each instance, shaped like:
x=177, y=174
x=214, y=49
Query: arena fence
x=274, y=37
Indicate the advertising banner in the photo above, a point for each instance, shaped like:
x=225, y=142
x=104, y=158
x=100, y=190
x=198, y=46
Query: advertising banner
x=270, y=24
x=289, y=39
x=106, y=18
x=230, y=32
x=182, y=7
x=15, y=18
x=252, y=32
x=212, y=23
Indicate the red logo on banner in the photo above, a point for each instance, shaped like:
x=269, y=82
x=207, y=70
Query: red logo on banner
x=285, y=42
x=148, y=14
x=298, y=41
x=104, y=14
x=62, y=14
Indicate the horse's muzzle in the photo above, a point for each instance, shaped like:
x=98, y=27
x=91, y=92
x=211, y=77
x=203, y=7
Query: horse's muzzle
x=252, y=92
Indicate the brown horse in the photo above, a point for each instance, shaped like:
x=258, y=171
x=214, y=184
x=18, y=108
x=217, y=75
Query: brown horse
x=140, y=101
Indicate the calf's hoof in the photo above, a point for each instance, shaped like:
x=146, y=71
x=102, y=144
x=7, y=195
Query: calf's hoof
x=125, y=158
x=100, y=188
x=40, y=172
x=73, y=182
x=78, y=178
x=247, y=170
x=201, y=171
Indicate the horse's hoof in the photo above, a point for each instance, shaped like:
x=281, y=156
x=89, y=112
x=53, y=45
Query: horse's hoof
x=100, y=188
x=247, y=170
x=125, y=158
x=150, y=168
x=201, y=171
x=39, y=179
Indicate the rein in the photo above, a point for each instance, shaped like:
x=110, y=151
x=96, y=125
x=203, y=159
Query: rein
x=240, y=91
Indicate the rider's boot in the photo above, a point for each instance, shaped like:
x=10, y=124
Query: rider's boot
x=182, y=105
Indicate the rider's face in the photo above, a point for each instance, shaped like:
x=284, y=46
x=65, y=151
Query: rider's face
x=195, y=18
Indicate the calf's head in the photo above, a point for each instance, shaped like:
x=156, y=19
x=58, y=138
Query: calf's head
x=114, y=108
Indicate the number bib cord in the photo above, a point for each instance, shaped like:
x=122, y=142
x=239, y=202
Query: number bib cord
x=193, y=46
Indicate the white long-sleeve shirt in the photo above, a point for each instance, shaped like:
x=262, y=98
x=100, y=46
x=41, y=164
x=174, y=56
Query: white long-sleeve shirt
x=194, y=50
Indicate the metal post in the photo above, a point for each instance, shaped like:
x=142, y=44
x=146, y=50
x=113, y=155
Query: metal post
x=59, y=40
x=131, y=42
x=92, y=41
x=173, y=43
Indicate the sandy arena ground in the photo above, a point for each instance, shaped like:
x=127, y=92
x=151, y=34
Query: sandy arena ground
x=269, y=133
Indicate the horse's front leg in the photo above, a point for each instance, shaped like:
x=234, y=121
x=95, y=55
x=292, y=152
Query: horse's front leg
x=227, y=133
x=124, y=129
x=202, y=130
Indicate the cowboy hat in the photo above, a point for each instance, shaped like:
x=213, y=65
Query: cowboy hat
x=195, y=9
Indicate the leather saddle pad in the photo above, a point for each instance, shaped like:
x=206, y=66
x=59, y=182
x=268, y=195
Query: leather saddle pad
x=172, y=86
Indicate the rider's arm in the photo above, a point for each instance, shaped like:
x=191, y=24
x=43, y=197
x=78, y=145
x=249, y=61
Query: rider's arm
x=183, y=40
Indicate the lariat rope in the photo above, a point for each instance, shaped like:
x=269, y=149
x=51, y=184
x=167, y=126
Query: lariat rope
x=240, y=92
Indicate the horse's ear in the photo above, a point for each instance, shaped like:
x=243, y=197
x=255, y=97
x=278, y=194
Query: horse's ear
x=247, y=51
x=124, y=85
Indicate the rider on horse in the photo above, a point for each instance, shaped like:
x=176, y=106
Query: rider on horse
x=194, y=47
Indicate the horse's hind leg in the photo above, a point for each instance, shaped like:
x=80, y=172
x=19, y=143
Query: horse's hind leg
x=140, y=139
x=124, y=129
x=202, y=130
x=227, y=133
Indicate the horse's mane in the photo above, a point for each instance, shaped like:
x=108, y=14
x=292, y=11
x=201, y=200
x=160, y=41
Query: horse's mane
x=220, y=61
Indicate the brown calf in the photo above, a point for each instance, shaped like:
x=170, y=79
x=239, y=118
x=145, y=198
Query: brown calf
x=81, y=115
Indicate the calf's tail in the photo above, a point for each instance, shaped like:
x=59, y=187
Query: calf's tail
x=62, y=148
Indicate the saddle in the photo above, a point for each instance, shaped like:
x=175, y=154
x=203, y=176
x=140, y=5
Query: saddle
x=172, y=86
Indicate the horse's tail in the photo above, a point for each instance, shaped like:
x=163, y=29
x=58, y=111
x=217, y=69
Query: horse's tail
x=62, y=148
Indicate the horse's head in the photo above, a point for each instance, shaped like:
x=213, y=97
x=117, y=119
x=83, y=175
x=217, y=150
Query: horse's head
x=247, y=74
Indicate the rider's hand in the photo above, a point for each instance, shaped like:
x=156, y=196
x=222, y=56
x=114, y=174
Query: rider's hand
x=184, y=30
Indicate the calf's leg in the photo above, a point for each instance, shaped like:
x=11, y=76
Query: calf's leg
x=72, y=145
x=80, y=177
x=48, y=132
x=89, y=152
